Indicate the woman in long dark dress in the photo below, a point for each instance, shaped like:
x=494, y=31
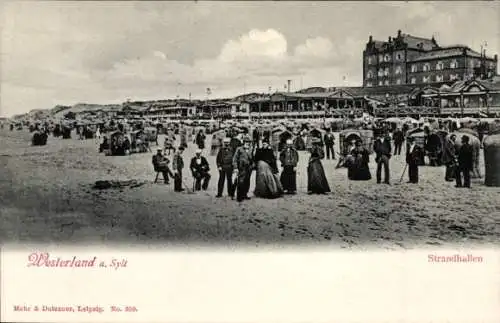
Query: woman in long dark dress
x=267, y=182
x=316, y=179
x=360, y=169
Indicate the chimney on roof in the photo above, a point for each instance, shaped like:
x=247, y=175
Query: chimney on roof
x=496, y=57
x=370, y=39
x=390, y=39
x=399, y=33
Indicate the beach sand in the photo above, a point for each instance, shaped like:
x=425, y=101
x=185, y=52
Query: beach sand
x=47, y=196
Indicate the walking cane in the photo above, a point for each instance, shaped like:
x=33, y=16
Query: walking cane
x=404, y=171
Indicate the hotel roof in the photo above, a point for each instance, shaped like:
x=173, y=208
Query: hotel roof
x=447, y=52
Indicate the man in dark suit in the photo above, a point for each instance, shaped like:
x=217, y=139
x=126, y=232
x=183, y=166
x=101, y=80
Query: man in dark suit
x=200, y=168
x=412, y=159
x=224, y=161
x=243, y=164
x=382, y=150
x=329, y=140
x=465, y=163
x=398, y=138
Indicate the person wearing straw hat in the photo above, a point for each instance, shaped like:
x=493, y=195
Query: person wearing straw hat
x=224, y=162
x=289, y=158
x=316, y=179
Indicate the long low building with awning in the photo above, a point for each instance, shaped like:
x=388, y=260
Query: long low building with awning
x=303, y=105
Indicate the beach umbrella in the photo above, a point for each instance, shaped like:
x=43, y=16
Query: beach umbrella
x=468, y=120
x=410, y=120
x=393, y=120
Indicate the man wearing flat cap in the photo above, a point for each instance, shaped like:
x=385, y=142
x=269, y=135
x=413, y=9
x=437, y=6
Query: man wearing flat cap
x=289, y=158
x=224, y=162
x=200, y=170
x=243, y=164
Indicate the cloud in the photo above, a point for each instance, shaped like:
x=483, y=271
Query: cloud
x=315, y=47
x=255, y=53
x=269, y=44
x=107, y=52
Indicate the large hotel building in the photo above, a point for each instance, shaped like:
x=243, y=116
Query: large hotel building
x=411, y=60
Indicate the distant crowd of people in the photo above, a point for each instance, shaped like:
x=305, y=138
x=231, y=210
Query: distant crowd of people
x=237, y=159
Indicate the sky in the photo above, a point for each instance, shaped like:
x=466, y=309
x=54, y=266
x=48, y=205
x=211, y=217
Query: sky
x=108, y=52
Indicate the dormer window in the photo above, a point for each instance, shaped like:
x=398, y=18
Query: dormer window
x=427, y=67
x=454, y=64
x=414, y=68
x=439, y=66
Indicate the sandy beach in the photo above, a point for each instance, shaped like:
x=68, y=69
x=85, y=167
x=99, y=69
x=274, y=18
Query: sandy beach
x=47, y=196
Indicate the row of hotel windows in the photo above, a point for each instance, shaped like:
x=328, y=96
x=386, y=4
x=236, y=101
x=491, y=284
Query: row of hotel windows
x=413, y=80
x=453, y=64
x=384, y=58
x=427, y=66
x=439, y=66
x=414, y=69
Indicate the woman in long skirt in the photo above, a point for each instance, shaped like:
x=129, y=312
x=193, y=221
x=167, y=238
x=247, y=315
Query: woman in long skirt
x=316, y=179
x=359, y=169
x=267, y=182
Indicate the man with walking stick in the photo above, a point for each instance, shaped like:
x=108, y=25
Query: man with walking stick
x=412, y=160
